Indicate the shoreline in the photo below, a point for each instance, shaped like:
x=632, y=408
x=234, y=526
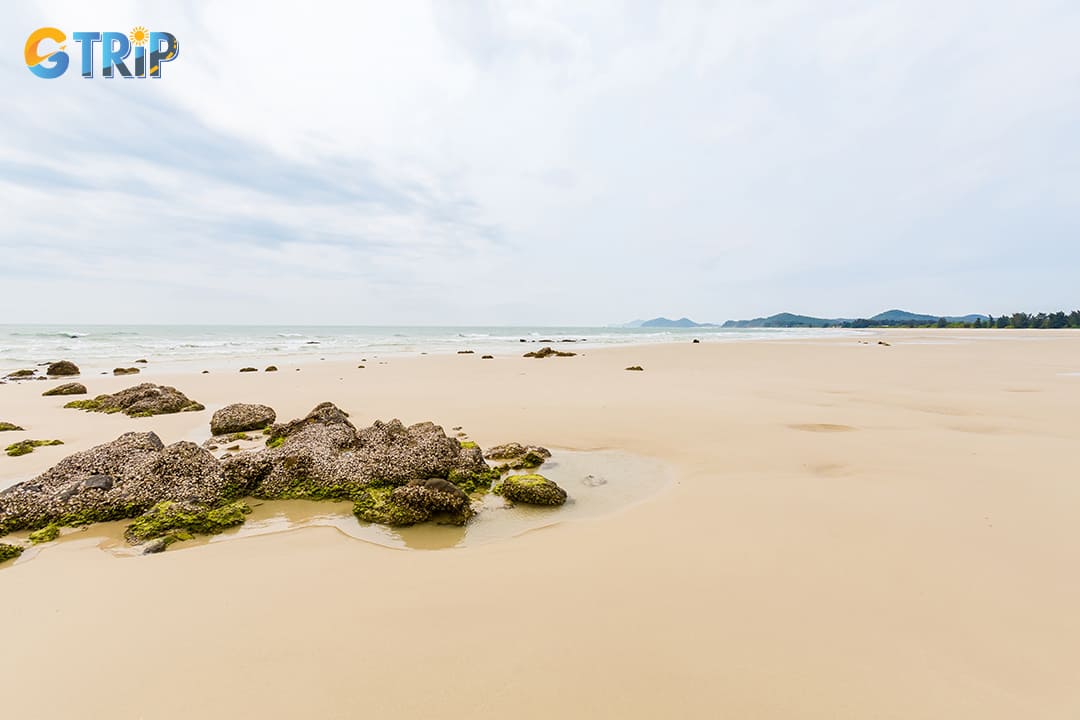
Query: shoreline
x=851, y=531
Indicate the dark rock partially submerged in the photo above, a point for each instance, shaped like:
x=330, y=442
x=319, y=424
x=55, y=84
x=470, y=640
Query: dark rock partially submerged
x=241, y=417
x=62, y=368
x=66, y=389
x=140, y=401
x=531, y=490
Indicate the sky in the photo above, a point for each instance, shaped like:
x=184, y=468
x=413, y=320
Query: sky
x=545, y=163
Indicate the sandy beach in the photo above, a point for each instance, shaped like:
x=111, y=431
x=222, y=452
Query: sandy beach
x=853, y=531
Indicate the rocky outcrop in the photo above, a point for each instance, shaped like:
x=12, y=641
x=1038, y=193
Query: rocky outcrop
x=62, y=368
x=66, y=389
x=119, y=479
x=323, y=455
x=531, y=490
x=140, y=401
x=241, y=417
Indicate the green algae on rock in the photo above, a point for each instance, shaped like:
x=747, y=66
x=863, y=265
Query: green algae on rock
x=9, y=552
x=417, y=502
x=25, y=447
x=46, y=534
x=170, y=518
x=144, y=400
x=6, y=427
x=531, y=490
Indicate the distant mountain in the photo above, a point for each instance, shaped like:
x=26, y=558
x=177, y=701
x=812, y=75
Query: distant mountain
x=887, y=318
x=663, y=322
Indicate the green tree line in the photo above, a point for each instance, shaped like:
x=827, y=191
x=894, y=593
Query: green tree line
x=1019, y=320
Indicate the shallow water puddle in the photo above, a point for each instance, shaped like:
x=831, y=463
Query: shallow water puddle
x=597, y=482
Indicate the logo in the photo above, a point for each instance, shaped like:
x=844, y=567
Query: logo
x=47, y=57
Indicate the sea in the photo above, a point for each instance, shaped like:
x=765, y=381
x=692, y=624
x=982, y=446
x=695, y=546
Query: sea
x=220, y=345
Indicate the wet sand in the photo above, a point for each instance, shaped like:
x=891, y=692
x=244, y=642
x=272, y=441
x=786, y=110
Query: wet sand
x=853, y=531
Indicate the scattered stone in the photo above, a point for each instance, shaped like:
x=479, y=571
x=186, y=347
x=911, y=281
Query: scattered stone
x=882, y=342
x=548, y=352
x=46, y=534
x=487, y=357
x=25, y=447
x=360, y=367
x=20, y=374
x=240, y=418
x=6, y=427
x=143, y=361
x=464, y=352
x=249, y=369
x=64, y=367
x=593, y=481
x=142, y=400
x=531, y=490
x=205, y=372
x=271, y=368
x=158, y=545
x=636, y=368
x=518, y=456
x=696, y=341
x=126, y=371
x=66, y=389
x=9, y=552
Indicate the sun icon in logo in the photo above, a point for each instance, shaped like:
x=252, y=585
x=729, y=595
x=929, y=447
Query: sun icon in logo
x=139, y=35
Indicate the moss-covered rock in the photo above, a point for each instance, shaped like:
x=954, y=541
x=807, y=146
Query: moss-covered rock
x=9, y=552
x=531, y=490
x=416, y=502
x=473, y=481
x=25, y=447
x=62, y=368
x=169, y=518
x=7, y=427
x=66, y=389
x=46, y=534
x=142, y=400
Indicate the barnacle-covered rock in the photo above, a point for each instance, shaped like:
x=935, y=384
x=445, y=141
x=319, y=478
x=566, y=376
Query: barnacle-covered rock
x=116, y=480
x=418, y=501
x=531, y=490
x=141, y=400
x=241, y=417
x=518, y=456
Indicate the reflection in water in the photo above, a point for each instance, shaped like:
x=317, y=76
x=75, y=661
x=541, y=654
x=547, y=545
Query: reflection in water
x=597, y=483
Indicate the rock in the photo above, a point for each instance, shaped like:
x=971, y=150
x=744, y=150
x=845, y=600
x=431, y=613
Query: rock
x=126, y=371
x=116, y=480
x=241, y=418
x=25, y=447
x=46, y=534
x=487, y=357
x=882, y=342
x=6, y=427
x=64, y=367
x=142, y=361
x=593, y=481
x=548, y=352
x=696, y=341
x=66, y=389
x=531, y=490
x=360, y=367
x=323, y=455
x=464, y=352
x=20, y=374
x=249, y=369
x=418, y=501
x=636, y=368
x=140, y=401
x=156, y=546
x=9, y=552
x=170, y=518
x=271, y=368
x=519, y=456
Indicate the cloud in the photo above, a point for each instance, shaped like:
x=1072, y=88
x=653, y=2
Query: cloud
x=547, y=162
